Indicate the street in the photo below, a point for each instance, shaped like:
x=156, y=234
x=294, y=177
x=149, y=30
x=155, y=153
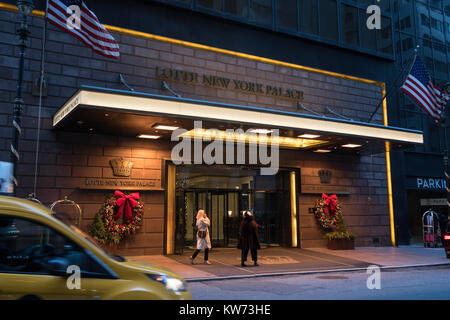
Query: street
x=422, y=283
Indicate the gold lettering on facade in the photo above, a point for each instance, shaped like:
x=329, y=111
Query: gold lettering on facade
x=110, y=184
x=170, y=74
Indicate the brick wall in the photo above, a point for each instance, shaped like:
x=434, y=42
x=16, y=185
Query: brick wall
x=365, y=209
x=66, y=158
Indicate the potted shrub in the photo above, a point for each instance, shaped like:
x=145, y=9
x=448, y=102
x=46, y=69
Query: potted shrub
x=340, y=238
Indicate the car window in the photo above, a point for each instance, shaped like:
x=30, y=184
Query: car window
x=28, y=246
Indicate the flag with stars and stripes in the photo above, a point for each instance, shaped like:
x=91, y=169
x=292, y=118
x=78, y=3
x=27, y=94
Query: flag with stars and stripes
x=420, y=88
x=74, y=17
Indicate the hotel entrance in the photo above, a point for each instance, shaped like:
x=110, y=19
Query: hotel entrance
x=225, y=193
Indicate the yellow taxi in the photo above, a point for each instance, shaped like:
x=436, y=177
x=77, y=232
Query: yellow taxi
x=43, y=258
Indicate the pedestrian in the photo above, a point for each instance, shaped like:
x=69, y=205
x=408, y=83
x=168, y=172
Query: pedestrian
x=203, y=239
x=248, y=239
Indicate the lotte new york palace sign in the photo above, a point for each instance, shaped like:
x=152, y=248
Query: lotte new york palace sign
x=169, y=74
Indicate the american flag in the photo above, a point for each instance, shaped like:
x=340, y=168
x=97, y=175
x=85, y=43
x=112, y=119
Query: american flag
x=420, y=88
x=74, y=17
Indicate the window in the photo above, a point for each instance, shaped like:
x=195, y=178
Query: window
x=261, y=11
x=405, y=23
x=406, y=17
x=309, y=20
x=328, y=19
x=436, y=3
x=29, y=247
x=237, y=7
x=407, y=44
x=437, y=25
x=425, y=20
x=368, y=38
x=337, y=22
x=385, y=43
x=426, y=42
x=349, y=22
x=211, y=4
x=287, y=14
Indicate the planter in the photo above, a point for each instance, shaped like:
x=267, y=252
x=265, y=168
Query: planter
x=341, y=244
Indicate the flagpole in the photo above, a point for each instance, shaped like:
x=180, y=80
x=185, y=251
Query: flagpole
x=402, y=71
x=41, y=87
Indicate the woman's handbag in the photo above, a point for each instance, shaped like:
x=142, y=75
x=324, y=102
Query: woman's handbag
x=201, y=234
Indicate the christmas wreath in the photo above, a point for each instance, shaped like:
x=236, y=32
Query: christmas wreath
x=120, y=216
x=327, y=211
x=329, y=215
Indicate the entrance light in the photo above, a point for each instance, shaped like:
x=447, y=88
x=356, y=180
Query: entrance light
x=351, y=145
x=165, y=127
x=238, y=137
x=309, y=136
x=261, y=131
x=148, y=136
x=322, y=150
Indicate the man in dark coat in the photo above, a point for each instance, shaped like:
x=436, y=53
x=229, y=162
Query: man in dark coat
x=248, y=238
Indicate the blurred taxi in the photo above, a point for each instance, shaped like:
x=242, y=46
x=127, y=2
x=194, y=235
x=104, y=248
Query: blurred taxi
x=43, y=258
x=447, y=242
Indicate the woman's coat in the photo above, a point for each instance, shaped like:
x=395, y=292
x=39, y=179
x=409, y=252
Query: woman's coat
x=202, y=225
x=248, y=234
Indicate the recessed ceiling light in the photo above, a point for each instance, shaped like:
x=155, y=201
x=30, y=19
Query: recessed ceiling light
x=322, y=150
x=351, y=145
x=309, y=136
x=261, y=131
x=148, y=136
x=165, y=127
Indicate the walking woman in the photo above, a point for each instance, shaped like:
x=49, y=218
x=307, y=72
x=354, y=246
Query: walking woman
x=248, y=239
x=203, y=240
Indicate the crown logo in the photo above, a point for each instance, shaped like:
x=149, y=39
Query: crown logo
x=121, y=167
x=325, y=176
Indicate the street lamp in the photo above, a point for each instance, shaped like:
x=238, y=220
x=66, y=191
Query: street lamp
x=25, y=8
x=445, y=124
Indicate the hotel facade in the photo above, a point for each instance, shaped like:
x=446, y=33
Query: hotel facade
x=108, y=124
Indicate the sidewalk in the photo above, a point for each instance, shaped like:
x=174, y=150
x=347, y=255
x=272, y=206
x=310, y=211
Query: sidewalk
x=292, y=261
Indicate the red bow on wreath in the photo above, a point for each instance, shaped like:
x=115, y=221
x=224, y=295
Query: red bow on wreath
x=330, y=201
x=127, y=202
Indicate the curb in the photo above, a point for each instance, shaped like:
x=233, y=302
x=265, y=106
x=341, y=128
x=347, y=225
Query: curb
x=278, y=274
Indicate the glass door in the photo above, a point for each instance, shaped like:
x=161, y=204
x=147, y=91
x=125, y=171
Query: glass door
x=225, y=218
x=218, y=207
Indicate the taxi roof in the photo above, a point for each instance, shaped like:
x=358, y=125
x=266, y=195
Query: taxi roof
x=19, y=204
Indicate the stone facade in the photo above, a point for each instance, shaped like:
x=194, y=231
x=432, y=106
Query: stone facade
x=66, y=158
